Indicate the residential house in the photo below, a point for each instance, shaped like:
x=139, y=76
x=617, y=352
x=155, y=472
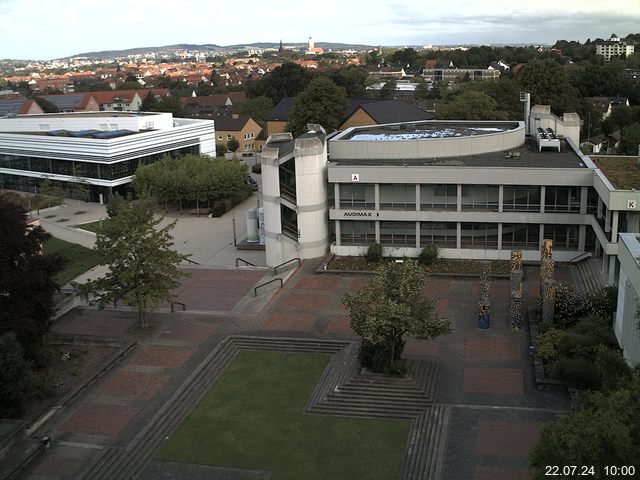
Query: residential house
x=211, y=105
x=387, y=73
x=243, y=128
x=614, y=47
x=73, y=102
x=126, y=100
x=607, y=104
x=12, y=105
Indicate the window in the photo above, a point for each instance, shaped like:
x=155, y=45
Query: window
x=565, y=237
x=439, y=234
x=357, y=233
x=438, y=197
x=480, y=197
x=398, y=196
x=229, y=137
x=357, y=195
x=399, y=234
x=562, y=199
x=521, y=198
x=220, y=138
x=520, y=235
x=479, y=235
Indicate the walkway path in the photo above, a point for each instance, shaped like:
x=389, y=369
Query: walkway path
x=490, y=409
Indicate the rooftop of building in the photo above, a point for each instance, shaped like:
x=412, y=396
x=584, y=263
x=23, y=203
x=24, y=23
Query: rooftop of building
x=88, y=115
x=622, y=172
x=526, y=156
x=425, y=130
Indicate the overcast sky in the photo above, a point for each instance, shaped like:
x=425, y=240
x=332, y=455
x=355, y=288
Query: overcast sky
x=39, y=29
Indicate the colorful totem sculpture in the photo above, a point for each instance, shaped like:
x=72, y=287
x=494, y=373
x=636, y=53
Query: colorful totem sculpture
x=484, y=305
x=515, y=299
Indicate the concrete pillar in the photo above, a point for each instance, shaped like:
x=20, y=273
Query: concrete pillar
x=500, y=203
x=599, y=213
x=607, y=221
x=582, y=236
x=271, y=204
x=543, y=194
x=376, y=196
x=336, y=194
x=499, y=236
x=458, y=235
x=377, y=231
x=459, y=198
x=614, y=226
x=541, y=236
x=417, y=197
x=418, y=235
x=612, y=269
x=337, y=230
x=584, y=193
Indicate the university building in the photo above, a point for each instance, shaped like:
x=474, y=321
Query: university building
x=100, y=149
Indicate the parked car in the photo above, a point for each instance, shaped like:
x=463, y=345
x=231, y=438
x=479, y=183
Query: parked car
x=249, y=180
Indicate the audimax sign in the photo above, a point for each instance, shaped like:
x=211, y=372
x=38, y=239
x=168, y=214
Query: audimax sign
x=360, y=214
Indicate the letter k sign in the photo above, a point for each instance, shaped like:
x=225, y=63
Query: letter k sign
x=355, y=177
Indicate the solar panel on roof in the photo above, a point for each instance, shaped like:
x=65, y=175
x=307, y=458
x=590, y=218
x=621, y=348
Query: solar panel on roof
x=83, y=133
x=112, y=134
x=58, y=133
x=65, y=102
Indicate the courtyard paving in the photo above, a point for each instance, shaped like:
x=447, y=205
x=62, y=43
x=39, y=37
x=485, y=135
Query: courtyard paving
x=485, y=377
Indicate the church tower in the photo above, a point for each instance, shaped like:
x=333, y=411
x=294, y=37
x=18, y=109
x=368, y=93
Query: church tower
x=310, y=46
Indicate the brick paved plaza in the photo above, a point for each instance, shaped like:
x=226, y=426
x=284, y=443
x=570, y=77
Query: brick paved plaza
x=485, y=377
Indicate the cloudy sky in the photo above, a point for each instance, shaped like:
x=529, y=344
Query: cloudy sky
x=39, y=29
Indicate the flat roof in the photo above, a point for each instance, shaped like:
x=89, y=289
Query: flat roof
x=622, y=171
x=526, y=156
x=90, y=114
x=423, y=130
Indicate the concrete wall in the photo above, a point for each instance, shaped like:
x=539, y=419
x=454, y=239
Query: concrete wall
x=568, y=126
x=274, y=245
x=626, y=322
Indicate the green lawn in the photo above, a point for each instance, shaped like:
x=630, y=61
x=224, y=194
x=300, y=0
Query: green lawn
x=93, y=226
x=79, y=258
x=253, y=417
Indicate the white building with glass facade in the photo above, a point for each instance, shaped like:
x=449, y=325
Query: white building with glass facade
x=101, y=149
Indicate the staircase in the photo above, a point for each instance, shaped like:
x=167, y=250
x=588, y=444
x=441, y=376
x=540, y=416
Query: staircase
x=586, y=275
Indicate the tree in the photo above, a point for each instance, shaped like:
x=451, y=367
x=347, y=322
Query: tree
x=606, y=432
x=143, y=267
x=322, y=102
x=630, y=141
x=26, y=279
x=233, y=144
x=287, y=80
x=257, y=108
x=548, y=84
x=389, y=89
x=469, y=105
x=390, y=306
x=14, y=376
x=353, y=78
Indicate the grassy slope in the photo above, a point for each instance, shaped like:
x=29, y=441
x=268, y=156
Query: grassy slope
x=92, y=226
x=79, y=259
x=253, y=417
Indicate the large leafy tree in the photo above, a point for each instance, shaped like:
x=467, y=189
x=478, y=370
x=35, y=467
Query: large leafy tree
x=322, y=102
x=143, y=266
x=630, y=141
x=548, y=83
x=605, y=432
x=390, y=306
x=26, y=279
x=353, y=78
x=257, y=108
x=14, y=376
x=287, y=80
x=470, y=105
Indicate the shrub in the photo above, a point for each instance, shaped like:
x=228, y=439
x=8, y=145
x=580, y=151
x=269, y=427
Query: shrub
x=571, y=306
x=578, y=373
x=428, y=255
x=598, y=327
x=257, y=168
x=220, y=207
x=374, y=253
x=571, y=344
x=548, y=344
x=14, y=376
x=613, y=369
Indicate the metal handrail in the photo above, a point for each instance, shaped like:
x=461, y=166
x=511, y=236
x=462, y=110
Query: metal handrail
x=275, y=269
x=577, y=258
x=190, y=261
x=255, y=290
x=173, y=310
x=243, y=260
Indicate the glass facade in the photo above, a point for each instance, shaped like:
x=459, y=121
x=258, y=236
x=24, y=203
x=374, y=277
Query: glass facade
x=357, y=233
x=520, y=235
x=479, y=235
x=480, y=197
x=562, y=199
x=521, y=198
x=289, y=220
x=442, y=235
x=438, y=197
x=98, y=171
x=398, y=234
x=398, y=196
x=354, y=195
x=565, y=237
x=287, y=172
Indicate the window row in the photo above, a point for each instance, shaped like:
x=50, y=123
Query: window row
x=473, y=197
x=444, y=234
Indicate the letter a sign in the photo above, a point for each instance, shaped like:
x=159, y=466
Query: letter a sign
x=355, y=177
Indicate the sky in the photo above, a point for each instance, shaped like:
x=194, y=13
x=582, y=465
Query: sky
x=39, y=29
